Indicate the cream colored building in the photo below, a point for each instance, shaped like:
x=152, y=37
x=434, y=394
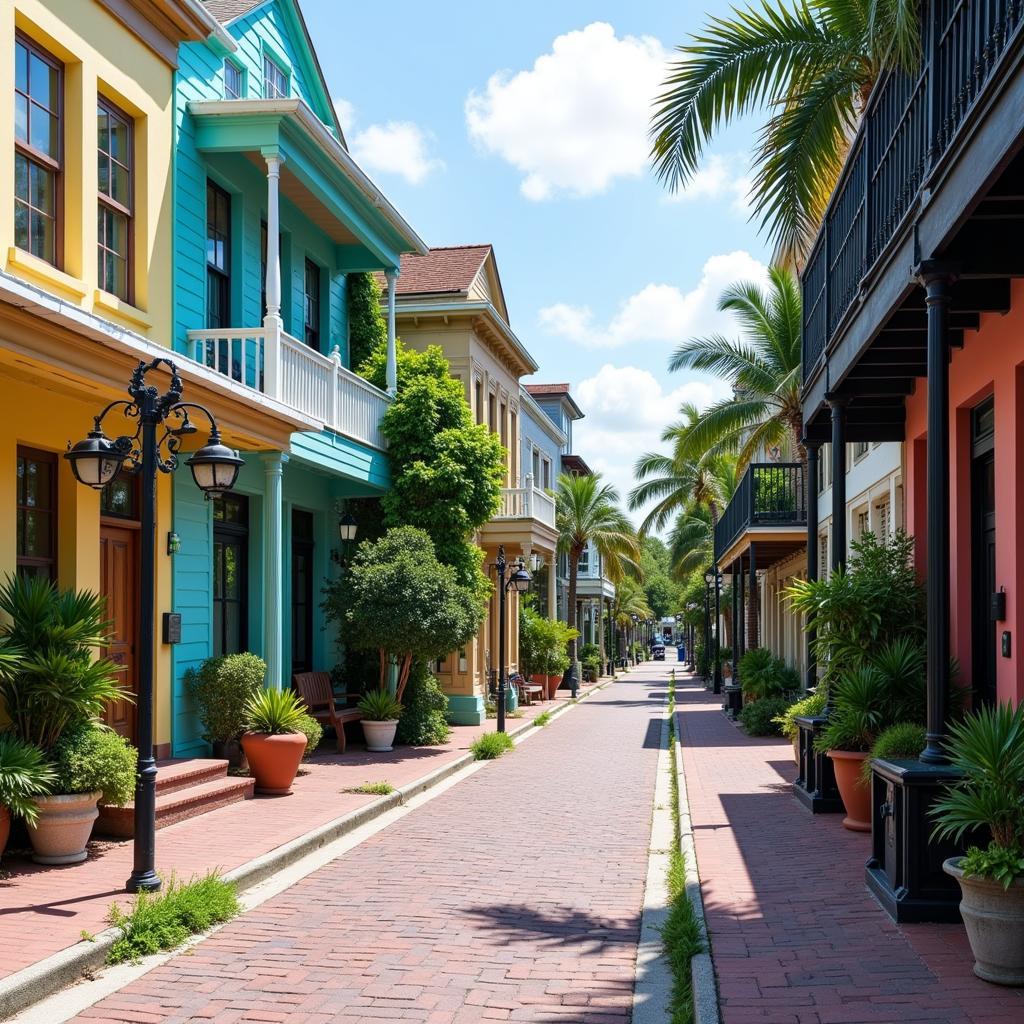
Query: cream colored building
x=452, y=297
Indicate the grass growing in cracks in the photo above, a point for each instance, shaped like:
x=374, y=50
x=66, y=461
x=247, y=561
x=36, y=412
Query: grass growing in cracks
x=543, y=718
x=164, y=920
x=681, y=933
x=373, y=788
x=491, y=745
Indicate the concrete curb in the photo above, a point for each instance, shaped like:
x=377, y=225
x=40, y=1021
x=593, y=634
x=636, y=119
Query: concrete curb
x=32, y=984
x=702, y=970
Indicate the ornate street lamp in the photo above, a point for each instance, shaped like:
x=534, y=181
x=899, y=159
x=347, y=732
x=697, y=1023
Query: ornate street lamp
x=347, y=529
x=95, y=462
x=713, y=578
x=519, y=581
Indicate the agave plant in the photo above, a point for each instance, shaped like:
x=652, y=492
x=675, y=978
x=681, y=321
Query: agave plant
x=379, y=706
x=49, y=674
x=24, y=775
x=274, y=712
x=987, y=746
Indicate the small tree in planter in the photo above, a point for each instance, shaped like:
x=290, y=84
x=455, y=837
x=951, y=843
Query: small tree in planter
x=987, y=746
x=222, y=687
x=543, y=649
x=396, y=598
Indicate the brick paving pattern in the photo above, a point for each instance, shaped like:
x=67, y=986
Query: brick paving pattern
x=515, y=895
x=44, y=910
x=796, y=938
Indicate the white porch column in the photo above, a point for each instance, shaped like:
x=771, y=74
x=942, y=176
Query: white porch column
x=528, y=497
x=273, y=561
x=272, y=322
x=392, y=367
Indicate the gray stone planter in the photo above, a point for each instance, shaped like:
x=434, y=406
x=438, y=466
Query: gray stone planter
x=994, y=919
x=379, y=735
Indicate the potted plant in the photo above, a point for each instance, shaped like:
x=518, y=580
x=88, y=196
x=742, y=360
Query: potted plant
x=810, y=704
x=221, y=688
x=24, y=776
x=274, y=741
x=380, y=719
x=987, y=746
x=91, y=762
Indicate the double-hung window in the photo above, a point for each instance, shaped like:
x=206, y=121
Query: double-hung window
x=275, y=80
x=114, y=228
x=218, y=257
x=37, y=513
x=234, y=81
x=38, y=90
x=311, y=306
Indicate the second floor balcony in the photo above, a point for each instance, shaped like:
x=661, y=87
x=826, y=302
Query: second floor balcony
x=525, y=519
x=767, y=515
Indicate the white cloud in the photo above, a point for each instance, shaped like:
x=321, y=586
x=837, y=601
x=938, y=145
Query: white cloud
x=578, y=119
x=719, y=177
x=396, y=147
x=659, y=312
x=626, y=411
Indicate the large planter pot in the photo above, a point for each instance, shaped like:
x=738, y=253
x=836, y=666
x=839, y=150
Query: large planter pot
x=63, y=828
x=380, y=735
x=230, y=751
x=551, y=685
x=5, y=827
x=994, y=919
x=856, y=793
x=274, y=760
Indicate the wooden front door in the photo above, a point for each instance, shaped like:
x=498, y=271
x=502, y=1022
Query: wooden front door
x=119, y=580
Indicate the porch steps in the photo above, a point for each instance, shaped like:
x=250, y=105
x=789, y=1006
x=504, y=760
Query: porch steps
x=184, y=789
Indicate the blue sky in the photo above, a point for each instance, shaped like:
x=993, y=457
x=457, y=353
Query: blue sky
x=525, y=127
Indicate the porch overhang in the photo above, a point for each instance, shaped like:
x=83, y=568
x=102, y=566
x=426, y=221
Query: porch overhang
x=771, y=545
x=318, y=175
x=524, y=533
x=359, y=470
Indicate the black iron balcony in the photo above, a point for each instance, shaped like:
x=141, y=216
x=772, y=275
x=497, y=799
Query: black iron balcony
x=911, y=123
x=770, y=494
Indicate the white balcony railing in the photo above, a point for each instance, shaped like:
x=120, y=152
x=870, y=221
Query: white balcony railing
x=527, y=502
x=282, y=367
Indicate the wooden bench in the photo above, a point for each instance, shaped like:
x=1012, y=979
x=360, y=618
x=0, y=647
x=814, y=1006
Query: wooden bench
x=318, y=695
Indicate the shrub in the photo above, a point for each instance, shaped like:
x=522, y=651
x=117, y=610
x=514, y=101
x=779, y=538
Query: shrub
x=50, y=677
x=763, y=675
x=379, y=706
x=314, y=733
x=903, y=740
x=491, y=745
x=373, y=788
x=590, y=659
x=164, y=920
x=543, y=718
x=543, y=644
x=274, y=712
x=24, y=775
x=90, y=757
x=805, y=707
x=423, y=721
x=221, y=687
x=759, y=718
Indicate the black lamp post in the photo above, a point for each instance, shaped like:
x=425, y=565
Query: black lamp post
x=95, y=462
x=707, y=626
x=519, y=581
x=347, y=528
x=717, y=582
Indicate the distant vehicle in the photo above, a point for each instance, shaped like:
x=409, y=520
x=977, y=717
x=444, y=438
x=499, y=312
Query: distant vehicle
x=658, y=652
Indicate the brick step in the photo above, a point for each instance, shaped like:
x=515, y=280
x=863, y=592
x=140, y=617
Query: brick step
x=188, y=771
x=177, y=805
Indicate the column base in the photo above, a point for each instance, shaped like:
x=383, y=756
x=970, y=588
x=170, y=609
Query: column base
x=815, y=786
x=904, y=871
x=733, y=703
x=463, y=710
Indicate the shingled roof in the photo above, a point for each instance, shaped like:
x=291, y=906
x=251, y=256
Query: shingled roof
x=445, y=270
x=227, y=10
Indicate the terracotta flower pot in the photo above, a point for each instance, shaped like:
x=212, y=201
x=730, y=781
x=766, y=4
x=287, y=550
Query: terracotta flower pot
x=552, y=684
x=62, y=831
x=5, y=827
x=380, y=735
x=994, y=919
x=856, y=793
x=274, y=760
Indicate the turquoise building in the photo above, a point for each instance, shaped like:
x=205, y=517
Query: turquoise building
x=271, y=214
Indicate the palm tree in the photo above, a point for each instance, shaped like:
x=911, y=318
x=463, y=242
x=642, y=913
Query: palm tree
x=810, y=64
x=630, y=600
x=587, y=512
x=763, y=368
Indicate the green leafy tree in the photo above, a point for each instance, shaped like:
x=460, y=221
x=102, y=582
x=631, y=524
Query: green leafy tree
x=808, y=64
x=398, y=599
x=763, y=367
x=367, y=330
x=587, y=512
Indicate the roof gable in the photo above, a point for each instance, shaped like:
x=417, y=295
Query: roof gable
x=277, y=29
x=444, y=270
x=487, y=285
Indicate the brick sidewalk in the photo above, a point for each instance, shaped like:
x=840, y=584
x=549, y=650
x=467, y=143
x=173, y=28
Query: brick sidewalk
x=515, y=895
x=796, y=938
x=45, y=910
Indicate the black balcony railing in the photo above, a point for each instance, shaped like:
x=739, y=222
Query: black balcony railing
x=911, y=122
x=768, y=494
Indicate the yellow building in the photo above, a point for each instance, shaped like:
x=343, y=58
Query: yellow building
x=86, y=289
x=452, y=297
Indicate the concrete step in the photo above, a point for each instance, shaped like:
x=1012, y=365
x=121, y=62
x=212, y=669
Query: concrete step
x=178, y=804
x=181, y=773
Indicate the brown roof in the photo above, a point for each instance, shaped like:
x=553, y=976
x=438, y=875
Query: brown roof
x=227, y=10
x=574, y=465
x=547, y=389
x=445, y=270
